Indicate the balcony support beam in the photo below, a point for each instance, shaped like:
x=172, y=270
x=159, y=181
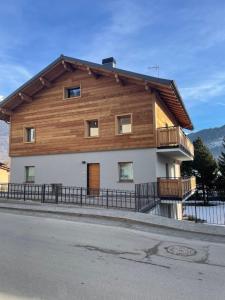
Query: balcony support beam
x=25, y=97
x=45, y=82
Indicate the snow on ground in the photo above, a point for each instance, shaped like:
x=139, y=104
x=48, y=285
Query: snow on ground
x=210, y=214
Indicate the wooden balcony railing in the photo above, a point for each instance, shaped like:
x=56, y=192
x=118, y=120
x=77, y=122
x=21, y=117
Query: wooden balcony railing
x=176, y=188
x=174, y=136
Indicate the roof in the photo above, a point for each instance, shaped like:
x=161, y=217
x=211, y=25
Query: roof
x=166, y=89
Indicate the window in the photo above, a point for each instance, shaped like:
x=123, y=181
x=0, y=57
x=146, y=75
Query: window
x=124, y=124
x=92, y=128
x=29, y=174
x=72, y=92
x=126, y=171
x=30, y=135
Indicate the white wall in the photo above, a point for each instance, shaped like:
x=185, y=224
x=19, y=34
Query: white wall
x=161, y=166
x=69, y=170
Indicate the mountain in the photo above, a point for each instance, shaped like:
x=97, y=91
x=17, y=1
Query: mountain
x=3, y=141
x=212, y=137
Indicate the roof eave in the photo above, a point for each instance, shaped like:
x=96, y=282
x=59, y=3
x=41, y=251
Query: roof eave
x=2, y=103
x=141, y=77
x=190, y=126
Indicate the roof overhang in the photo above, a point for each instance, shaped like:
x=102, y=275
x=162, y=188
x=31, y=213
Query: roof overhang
x=4, y=167
x=176, y=154
x=164, y=88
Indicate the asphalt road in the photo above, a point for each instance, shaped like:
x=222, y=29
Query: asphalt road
x=47, y=258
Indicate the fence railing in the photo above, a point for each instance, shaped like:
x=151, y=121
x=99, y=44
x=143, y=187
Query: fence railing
x=142, y=199
x=194, y=210
x=177, y=188
x=174, y=136
x=56, y=193
x=145, y=198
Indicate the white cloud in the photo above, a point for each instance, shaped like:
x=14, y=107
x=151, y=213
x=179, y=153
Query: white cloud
x=206, y=90
x=117, y=37
x=1, y=98
x=220, y=103
x=12, y=76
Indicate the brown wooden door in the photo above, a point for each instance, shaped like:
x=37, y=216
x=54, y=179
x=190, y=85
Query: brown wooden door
x=93, y=178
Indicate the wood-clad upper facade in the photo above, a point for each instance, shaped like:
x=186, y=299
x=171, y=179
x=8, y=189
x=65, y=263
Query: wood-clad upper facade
x=105, y=95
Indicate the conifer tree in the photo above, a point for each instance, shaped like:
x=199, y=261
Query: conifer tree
x=221, y=177
x=221, y=161
x=204, y=167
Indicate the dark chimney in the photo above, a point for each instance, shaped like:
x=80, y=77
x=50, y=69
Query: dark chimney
x=109, y=62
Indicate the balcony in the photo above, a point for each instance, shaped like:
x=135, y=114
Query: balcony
x=174, y=142
x=176, y=188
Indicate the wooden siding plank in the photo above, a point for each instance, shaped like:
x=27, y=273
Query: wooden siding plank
x=59, y=123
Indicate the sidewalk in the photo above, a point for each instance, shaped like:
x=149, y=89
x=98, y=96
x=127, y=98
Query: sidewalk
x=112, y=214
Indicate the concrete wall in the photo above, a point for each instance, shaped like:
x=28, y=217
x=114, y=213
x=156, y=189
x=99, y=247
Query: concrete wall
x=68, y=169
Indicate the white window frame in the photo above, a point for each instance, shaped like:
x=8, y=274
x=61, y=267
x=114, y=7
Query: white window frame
x=87, y=128
x=26, y=134
x=26, y=174
x=131, y=179
x=118, y=117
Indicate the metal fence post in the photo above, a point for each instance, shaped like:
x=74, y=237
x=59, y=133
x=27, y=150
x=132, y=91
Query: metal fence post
x=107, y=198
x=8, y=191
x=196, y=217
x=56, y=194
x=43, y=193
x=81, y=194
x=24, y=192
x=137, y=197
x=154, y=191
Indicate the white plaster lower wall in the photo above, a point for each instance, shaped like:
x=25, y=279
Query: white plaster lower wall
x=69, y=170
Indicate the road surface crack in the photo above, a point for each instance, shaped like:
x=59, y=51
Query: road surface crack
x=104, y=250
x=151, y=251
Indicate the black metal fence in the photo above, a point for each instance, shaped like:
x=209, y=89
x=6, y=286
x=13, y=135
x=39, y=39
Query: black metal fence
x=195, y=210
x=146, y=195
x=142, y=199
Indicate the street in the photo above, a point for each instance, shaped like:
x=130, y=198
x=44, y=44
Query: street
x=49, y=258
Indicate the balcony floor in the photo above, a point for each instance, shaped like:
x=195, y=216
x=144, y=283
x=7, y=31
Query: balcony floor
x=175, y=152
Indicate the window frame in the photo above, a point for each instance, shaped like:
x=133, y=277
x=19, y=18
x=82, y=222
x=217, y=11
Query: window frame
x=87, y=129
x=25, y=134
x=26, y=173
x=66, y=88
x=119, y=168
x=117, y=117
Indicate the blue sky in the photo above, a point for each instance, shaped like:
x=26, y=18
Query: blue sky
x=185, y=38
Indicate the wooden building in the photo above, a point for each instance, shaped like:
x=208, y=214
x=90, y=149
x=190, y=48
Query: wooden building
x=85, y=124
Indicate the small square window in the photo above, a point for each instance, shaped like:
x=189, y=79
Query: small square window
x=30, y=135
x=72, y=92
x=126, y=171
x=29, y=174
x=92, y=128
x=124, y=124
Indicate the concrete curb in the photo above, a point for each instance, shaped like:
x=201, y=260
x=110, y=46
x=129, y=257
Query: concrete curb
x=115, y=215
